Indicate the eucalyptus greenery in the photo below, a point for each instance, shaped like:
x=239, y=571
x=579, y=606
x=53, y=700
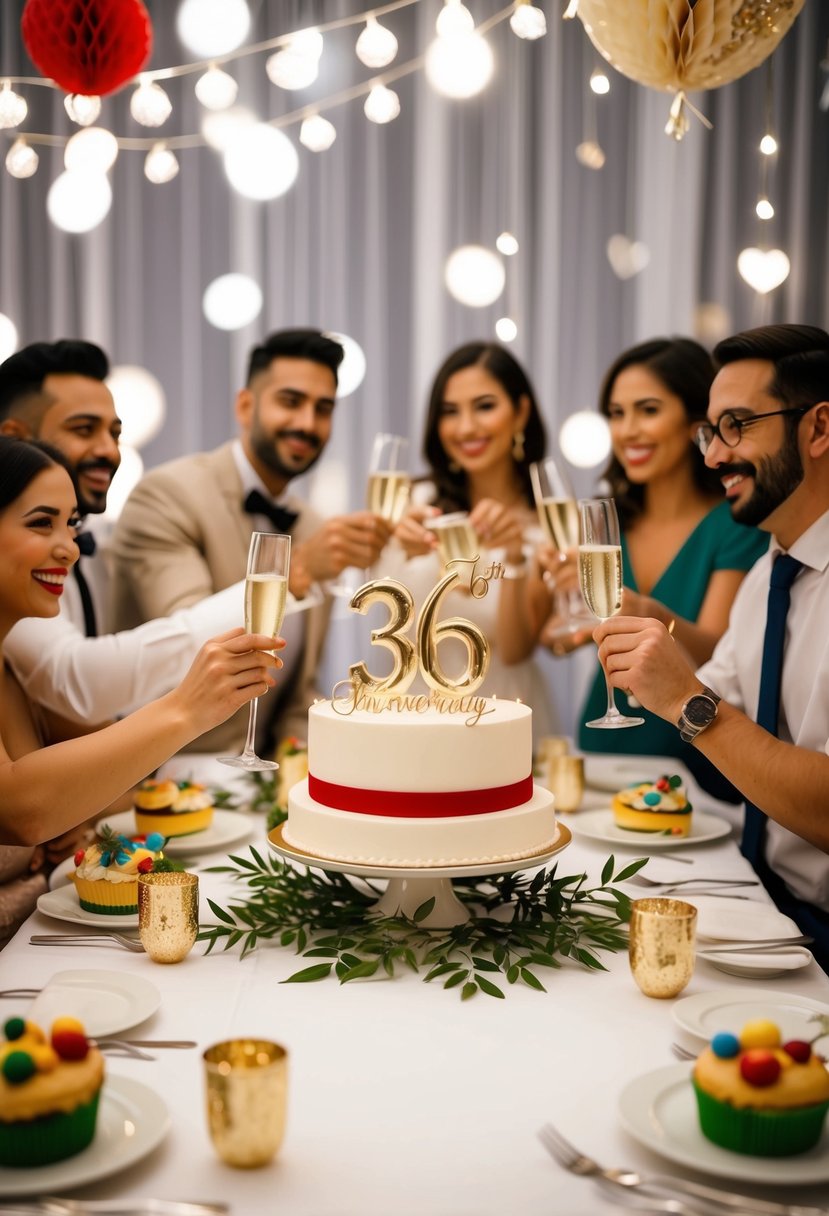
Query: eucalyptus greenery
x=520, y=923
x=263, y=799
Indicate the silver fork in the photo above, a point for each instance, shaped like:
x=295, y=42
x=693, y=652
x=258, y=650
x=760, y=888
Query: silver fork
x=660, y=1184
x=641, y=880
x=85, y=939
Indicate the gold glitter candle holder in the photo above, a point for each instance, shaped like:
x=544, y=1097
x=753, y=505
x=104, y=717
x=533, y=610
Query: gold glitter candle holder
x=168, y=915
x=565, y=780
x=661, y=948
x=247, y=1082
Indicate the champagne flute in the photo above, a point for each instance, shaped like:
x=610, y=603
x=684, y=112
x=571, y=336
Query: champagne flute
x=266, y=592
x=558, y=513
x=600, y=576
x=389, y=483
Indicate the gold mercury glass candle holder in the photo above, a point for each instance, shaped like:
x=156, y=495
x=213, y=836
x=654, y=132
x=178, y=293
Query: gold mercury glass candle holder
x=661, y=945
x=565, y=780
x=168, y=915
x=247, y=1083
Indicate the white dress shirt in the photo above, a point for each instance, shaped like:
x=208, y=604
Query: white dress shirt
x=96, y=679
x=734, y=672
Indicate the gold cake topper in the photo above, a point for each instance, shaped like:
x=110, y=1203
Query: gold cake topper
x=448, y=694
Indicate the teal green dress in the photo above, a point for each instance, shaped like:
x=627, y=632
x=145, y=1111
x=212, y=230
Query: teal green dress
x=717, y=543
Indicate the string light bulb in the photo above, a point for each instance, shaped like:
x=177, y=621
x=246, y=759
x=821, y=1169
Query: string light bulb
x=92, y=150
x=382, y=105
x=528, y=21
x=82, y=108
x=160, y=164
x=599, y=82
x=150, y=105
x=505, y=329
x=13, y=107
x=297, y=64
x=317, y=134
x=377, y=46
x=216, y=90
x=453, y=19
x=459, y=66
x=768, y=144
x=21, y=159
x=507, y=244
x=78, y=202
x=212, y=27
x=764, y=209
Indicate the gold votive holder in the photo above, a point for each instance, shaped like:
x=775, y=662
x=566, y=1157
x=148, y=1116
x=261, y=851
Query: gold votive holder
x=662, y=945
x=565, y=780
x=552, y=745
x=247, y=1081
x=168, y=914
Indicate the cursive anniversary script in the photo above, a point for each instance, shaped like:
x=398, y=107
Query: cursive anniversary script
x=355, y=697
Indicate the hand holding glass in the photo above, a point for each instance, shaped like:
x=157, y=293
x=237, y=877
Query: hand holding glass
x=558, y=514
x=600, y=577
x=266, y=591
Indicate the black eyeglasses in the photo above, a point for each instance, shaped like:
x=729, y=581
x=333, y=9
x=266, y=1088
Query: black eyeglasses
x=729, y=429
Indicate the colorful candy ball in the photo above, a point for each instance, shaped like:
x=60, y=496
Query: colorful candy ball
x=69, y=1039
x=759, y=1067
x=14, y=1028
x=155, y=841
x=725, y=1045
x=760, y=1033
x=799, y=1050
x=18, y=1066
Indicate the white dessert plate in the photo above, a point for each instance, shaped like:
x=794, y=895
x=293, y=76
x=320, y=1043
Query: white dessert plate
x=60, y=875
x=106, y=1002
x=613, y=773
x=705, y=1013
x=227, y=828
x=660, y=1111
x=759, y=966
x=279, y=845
x=132, y=1121
x=62, y=904
x=600, y=825
x=723, y=919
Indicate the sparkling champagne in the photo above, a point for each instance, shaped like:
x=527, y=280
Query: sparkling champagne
x=456, y=538
x=560, y=520
x=388, y=494
x=600, y=576
x=265, y=596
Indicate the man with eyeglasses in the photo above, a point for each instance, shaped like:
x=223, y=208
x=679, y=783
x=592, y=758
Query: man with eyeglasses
x=759, y=709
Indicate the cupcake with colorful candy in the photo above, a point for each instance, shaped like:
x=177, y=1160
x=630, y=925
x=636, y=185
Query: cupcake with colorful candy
x=49, y=1092
x=106, y=874
x=173, y=808
x=654, y=806
x=758, y=1095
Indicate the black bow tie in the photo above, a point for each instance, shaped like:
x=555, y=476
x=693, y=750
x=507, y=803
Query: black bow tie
x=281, y=518
x=86, y=543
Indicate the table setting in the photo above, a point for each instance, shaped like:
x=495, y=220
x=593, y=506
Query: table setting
x=396, y=1093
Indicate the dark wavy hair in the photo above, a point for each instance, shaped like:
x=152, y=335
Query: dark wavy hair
x=800, y=355
x=23, y=373
x=687, y=370
x=310, y=344
x=20, y=462
x=452, y=484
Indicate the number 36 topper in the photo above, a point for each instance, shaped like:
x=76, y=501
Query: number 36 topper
x=430, y=633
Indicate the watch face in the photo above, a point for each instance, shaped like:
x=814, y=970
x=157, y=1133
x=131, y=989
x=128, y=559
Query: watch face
x=700, y=710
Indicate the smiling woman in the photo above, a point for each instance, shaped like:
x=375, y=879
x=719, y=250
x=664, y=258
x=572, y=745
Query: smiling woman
x=48, y=790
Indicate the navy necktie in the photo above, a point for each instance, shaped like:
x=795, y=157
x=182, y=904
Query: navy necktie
x=282, y=519
x=783, y=573
x=86, y=543
x=90, y=624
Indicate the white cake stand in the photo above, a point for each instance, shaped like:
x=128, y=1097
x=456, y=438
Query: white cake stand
x=408, y=888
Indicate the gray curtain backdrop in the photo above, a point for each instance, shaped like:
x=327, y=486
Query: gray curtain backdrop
x=359, y=243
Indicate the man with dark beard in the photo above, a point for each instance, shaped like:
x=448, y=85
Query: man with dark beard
x=73, y=664
x=759, y=709
x=184, y=532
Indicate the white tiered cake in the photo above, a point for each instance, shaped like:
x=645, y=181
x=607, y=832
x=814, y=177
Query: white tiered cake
x=420, y=787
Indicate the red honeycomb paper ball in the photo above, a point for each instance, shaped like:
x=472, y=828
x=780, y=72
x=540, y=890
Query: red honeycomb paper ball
x=87, y=46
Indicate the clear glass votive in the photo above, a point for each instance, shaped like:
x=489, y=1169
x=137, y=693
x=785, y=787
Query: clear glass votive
x=168, y=914
x=662, y=945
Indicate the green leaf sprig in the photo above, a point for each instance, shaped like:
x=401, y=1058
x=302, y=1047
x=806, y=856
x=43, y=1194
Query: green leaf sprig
x=520, y=923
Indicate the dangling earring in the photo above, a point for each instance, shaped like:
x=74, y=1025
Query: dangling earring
x=518, y=447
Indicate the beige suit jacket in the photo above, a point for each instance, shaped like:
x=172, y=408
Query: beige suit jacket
x=182, y=535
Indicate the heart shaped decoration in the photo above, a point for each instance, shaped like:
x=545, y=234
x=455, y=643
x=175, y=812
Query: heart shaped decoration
x=627, y=257
x=87, y=46
x=763, y=269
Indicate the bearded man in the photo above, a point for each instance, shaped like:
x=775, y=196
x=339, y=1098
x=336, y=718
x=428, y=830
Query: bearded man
x=185, y=529
x=759, y=708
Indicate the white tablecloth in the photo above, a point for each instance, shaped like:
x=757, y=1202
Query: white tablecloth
x=401, y=1098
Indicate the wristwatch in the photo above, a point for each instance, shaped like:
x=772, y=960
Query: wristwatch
x=699, y=711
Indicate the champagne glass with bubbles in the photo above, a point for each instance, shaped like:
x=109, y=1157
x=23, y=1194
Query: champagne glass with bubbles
x=600, y=576
x=558, y=514
x=266, y=591
x=389, y=483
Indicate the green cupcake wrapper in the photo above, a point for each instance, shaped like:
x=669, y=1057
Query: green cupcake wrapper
x=48, y=1138
x=109, y=909
x=760, y=1133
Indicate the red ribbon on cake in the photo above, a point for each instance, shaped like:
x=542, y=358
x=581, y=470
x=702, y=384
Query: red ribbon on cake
x=398, y=804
